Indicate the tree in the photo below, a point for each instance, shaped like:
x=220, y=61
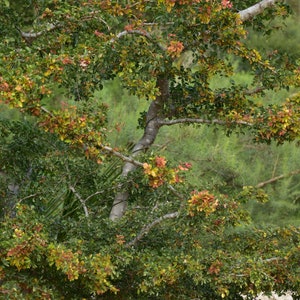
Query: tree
x=165, y=52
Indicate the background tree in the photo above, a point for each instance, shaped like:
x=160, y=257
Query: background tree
x=167, y=53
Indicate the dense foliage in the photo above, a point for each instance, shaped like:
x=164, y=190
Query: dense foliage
x=75, y=223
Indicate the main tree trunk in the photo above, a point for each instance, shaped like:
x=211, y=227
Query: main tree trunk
x=151, y=130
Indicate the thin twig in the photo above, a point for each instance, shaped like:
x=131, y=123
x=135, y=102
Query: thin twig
x=27, y=197
x=45, y=110
x=179, y=196
x=92, y=195
x=123, y=157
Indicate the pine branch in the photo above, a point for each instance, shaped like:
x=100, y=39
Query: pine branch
x=274, y=179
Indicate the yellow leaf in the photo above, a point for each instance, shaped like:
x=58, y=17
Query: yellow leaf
x=18, y=88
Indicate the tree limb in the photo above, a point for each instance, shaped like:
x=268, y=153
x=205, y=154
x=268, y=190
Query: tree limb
x=256, y=9
x=77, y=195
x=94, y=194
x=274, y=179
x=148, y=227
x=200, y=121
x=34, y=35
x=128, y=159
x=150, y=133
x=244, y=15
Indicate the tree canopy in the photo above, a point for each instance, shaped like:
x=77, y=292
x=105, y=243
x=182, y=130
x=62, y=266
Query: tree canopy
x=151, y=235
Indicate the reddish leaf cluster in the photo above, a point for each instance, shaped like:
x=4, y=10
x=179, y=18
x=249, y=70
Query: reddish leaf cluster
x=202, y=201
x=175, y=48
x=158, y=173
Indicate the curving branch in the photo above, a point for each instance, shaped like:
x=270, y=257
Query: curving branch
x=148, y=227
x=33, y=35
x=256, y=9
x=201, y=121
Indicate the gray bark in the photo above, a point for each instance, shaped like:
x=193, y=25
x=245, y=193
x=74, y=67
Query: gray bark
x=256, y=9
x=155, y=120
x=151, y=130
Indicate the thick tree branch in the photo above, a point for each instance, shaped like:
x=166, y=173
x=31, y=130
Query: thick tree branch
x=256, y=9
x=200, y=121
x=148, y=227
x=150, y=132
x=274, y=179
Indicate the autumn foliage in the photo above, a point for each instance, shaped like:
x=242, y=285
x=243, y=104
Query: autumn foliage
x=164, y=239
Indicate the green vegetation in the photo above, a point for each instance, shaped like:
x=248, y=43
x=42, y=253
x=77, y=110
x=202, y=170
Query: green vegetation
x=149, y=150
x=219, y=162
